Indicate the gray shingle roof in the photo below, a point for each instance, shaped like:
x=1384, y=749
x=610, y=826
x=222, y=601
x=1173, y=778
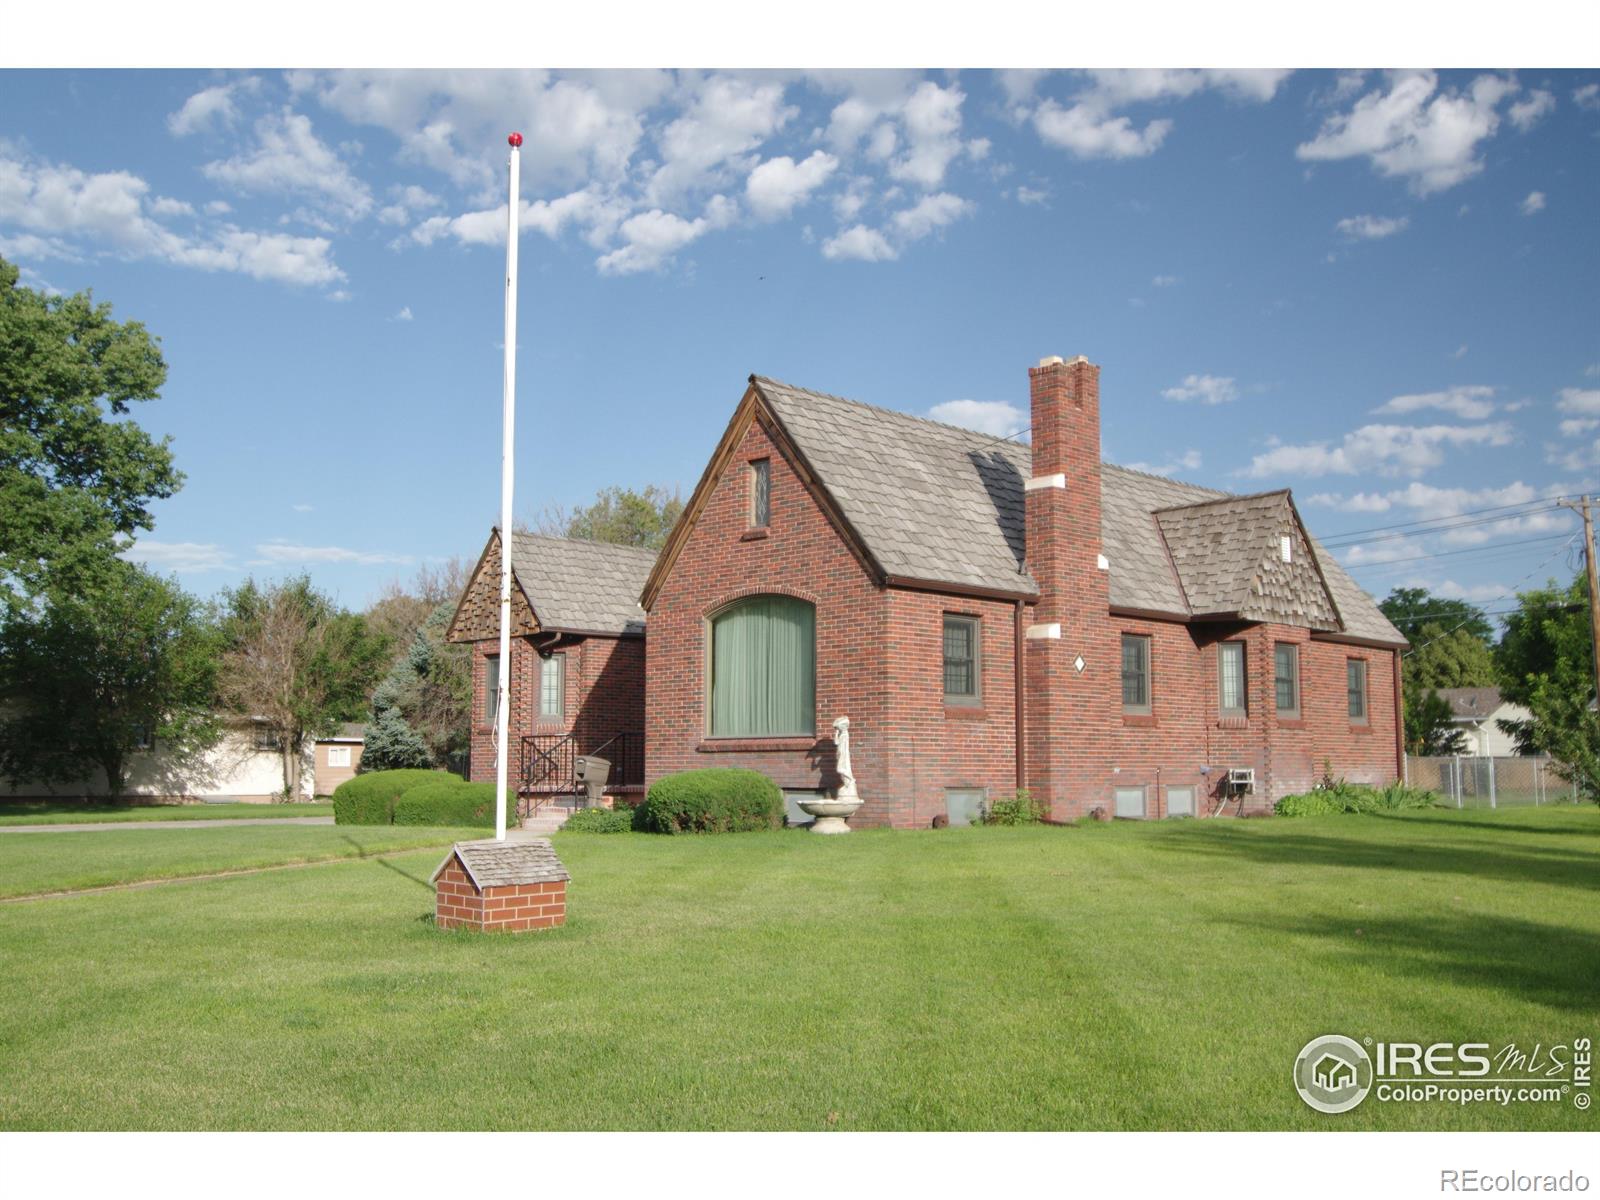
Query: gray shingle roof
x=579, y=585
x=505, y=864
x=1471, y=702
x=940, y=504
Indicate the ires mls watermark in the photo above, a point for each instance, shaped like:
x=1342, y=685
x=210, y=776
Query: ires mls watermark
x=1334, y=1073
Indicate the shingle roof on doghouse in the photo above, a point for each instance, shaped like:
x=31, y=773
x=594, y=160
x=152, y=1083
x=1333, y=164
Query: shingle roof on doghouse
x=492, y=864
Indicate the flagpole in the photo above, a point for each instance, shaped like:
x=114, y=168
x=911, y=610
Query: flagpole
x=508, y=422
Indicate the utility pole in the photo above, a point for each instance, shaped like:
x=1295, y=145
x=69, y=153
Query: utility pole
x=1582, y=507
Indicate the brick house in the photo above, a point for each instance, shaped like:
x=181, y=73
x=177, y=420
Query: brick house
x=577, y=660
x=993, y=616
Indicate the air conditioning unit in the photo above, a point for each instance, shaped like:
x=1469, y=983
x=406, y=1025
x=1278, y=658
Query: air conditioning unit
x=1241, y=779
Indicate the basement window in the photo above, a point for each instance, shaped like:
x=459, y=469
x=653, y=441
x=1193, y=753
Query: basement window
x=964, y=806
x=1130, y=802
x=1180, y=802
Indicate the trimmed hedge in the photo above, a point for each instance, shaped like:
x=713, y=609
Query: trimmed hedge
x=599, y=820
x=712, y=800
x=369, y=799
x=453, y=804
x=1354, y=798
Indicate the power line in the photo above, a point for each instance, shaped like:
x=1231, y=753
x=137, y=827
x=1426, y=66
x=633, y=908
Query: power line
x=1336, y=544
x=1471, y=512
x=1503, y=547
x=1503, y=596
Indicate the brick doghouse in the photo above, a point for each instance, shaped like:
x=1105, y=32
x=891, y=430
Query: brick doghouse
x=508, y=887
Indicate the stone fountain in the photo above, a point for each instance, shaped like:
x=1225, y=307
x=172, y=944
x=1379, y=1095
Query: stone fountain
x=831, y=814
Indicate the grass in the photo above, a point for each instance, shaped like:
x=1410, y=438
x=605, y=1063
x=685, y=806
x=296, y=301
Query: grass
x=49, y=862
x=1123, y=976
x=88, y=812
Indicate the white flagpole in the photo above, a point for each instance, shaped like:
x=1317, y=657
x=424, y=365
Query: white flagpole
x=508, y=423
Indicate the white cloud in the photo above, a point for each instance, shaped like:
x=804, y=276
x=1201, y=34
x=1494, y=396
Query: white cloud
x=31, y=245
x=280, y=551
x=859, y=242
x=652, y=238
x=1415, y=132
x=110, y=209
x=303, y=508
x=1189, y=460
x=932, y=121
x=1583, y=401
x=1527, y=113
x=1468, y=403
x=166, y=206
x=1090, y=127
x=1205, y=389
x=1165, y=281
x=289, y=158
x=994, y=417
x=928, y=214
x=1460, y=351
x=178, y=556
x=1028, y=195
x=1588, y=96
x=404, y=314
x=1371, y=228
x=724, y=122
x=216, y=208
x=1384, y=449
x=208, y=109
x=776, y=186
x=1578, y=426
x=1532, y=204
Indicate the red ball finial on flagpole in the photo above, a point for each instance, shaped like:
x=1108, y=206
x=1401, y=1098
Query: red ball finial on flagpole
x=515, y=139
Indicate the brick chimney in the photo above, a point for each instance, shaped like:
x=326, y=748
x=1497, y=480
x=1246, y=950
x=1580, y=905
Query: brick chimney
x=1068, y=707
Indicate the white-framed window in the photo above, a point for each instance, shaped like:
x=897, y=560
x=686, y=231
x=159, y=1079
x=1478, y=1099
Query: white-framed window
x=491, y=688
x=1130, y=802
x=1231, y=692
x=962, y=636
x=553, y=688
x=338, y=756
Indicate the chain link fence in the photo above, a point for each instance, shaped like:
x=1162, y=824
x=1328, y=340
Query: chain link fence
x=1468, y=781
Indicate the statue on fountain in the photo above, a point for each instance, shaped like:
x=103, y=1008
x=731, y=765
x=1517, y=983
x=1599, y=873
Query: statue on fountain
x=831, y=812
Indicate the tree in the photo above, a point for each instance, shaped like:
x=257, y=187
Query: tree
x=1546, y=665
x=420, y=712
x=401, y=608
x=73, y=483
x=86, y=676
x=619, y=515
x=1441, y=657
x=1409, y=609
x=1428, y=727
x=298, y=663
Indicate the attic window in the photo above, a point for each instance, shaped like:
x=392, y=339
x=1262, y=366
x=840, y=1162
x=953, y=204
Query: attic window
x=1286, y=548
x=761, y=493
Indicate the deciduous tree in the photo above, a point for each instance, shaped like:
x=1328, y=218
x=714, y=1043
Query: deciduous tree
x=619, y=515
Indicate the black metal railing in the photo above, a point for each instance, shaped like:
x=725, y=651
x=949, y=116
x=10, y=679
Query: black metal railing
x=625, y=753
x=548, y=762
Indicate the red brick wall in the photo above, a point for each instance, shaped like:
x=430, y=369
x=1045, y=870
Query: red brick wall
x=457, y=903
x=604, y=695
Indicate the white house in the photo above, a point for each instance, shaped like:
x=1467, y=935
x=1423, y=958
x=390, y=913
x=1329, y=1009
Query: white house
x=1477, y=711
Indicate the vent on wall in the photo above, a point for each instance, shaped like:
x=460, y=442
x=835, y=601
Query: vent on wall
x=1286, y=548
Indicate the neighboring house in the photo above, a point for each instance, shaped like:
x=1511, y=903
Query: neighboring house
x=1477, y=712
x=244, y=766
x=337, y=757
x=577, y=659
x=988, y=615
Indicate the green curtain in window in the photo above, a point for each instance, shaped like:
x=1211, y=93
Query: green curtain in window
x=763, y=668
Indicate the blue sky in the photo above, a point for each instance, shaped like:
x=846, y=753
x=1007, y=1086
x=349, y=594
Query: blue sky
x=1377, y=289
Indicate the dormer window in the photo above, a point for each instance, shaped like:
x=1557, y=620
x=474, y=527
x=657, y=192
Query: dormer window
x=760, y=493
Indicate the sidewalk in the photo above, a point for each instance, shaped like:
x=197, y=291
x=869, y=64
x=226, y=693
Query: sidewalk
x=101, y=826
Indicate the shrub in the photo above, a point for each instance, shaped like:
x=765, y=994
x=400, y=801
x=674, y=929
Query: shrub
x=1017, y=809
x=600, y=820
x=369, y=799
x=1344, y=797
x=452, y=804
x=712, y=800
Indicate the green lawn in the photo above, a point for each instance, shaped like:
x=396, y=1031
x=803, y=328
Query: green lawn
x=31, y=863
x=1130, y=976
x=86, y=812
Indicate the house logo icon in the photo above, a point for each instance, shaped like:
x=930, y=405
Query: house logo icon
x=1333, y=1074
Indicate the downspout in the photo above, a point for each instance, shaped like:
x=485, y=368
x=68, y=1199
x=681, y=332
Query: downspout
x=1020, y=702
x=1402, y=767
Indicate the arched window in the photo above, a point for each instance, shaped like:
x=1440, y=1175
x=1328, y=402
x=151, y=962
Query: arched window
x=764, y=668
